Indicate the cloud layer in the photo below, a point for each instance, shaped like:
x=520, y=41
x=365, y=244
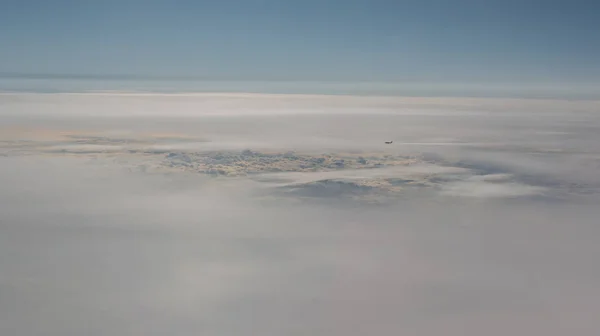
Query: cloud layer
x=288, y=215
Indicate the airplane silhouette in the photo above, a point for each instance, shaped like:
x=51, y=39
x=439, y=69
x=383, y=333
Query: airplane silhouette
x=388, y=142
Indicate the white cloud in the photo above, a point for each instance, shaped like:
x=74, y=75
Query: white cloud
x=87, y=247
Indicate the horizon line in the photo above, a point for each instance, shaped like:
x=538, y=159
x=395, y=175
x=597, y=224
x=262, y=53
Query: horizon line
x=283, y=94
x=406, y=80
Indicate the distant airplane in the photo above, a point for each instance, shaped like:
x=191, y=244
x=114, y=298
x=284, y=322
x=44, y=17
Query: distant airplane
x=388, y=142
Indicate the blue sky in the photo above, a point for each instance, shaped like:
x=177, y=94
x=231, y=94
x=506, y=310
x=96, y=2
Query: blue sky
x=318, y=40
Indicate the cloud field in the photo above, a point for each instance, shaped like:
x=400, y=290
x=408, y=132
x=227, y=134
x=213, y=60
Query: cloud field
x=241, y=214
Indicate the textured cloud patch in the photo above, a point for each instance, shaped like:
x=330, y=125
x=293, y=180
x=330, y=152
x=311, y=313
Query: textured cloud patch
x=490, y=186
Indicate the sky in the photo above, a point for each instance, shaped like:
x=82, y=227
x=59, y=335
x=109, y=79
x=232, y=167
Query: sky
x=311, y=40
x=234, y=213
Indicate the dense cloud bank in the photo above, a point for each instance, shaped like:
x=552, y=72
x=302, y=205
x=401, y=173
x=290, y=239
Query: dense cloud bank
x=280, y=215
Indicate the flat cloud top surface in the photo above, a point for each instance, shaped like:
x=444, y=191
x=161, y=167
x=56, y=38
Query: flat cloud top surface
x=236, y=214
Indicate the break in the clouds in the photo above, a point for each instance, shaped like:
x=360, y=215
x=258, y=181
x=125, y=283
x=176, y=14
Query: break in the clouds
x=236, y=214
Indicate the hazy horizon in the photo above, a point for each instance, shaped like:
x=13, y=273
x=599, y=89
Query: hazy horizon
x=43, y=83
